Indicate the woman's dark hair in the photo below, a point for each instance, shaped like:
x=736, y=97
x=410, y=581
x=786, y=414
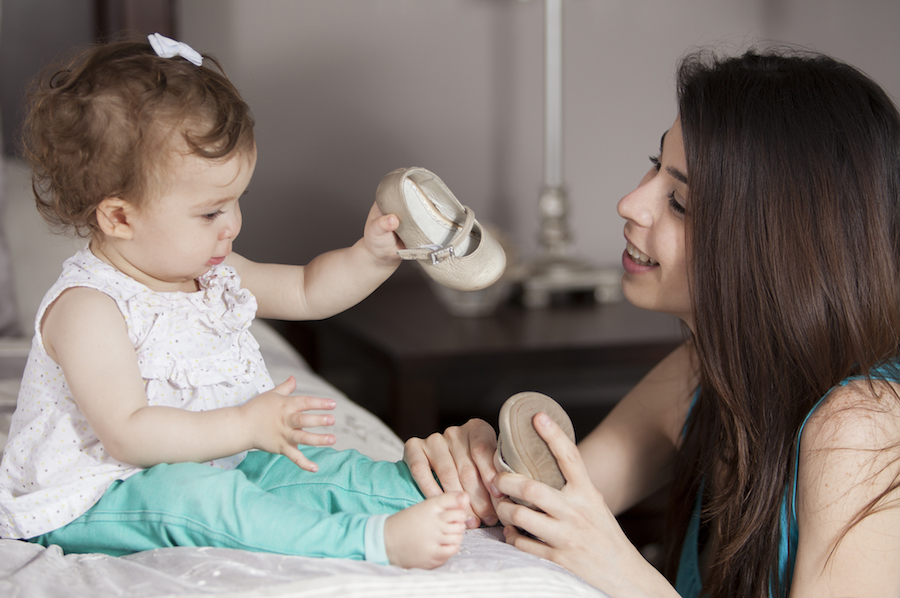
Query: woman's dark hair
x=793, y=232
x=104, y=125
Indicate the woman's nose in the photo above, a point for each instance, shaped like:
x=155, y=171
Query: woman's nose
x=637, y=205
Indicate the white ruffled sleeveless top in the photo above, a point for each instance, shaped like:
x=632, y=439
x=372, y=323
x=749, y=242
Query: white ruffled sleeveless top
x=195, y=351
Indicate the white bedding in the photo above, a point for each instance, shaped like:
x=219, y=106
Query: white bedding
x=484, y=567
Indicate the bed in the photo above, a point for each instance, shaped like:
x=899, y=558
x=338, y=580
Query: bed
x=485, y=566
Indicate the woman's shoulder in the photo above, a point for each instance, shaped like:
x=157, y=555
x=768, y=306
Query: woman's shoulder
x=847, y=494
x=860, y=414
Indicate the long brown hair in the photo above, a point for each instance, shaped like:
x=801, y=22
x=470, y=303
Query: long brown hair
x=794, y=237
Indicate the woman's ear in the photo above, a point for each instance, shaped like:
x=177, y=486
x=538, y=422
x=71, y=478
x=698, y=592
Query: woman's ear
x=113, y=217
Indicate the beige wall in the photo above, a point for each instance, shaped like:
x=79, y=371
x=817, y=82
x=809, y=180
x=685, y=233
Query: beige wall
x=345, y=90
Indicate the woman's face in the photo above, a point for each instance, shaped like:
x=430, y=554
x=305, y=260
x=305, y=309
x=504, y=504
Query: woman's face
x=655, y=259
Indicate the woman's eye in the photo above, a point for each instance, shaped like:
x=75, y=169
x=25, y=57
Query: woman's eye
x=673, y=203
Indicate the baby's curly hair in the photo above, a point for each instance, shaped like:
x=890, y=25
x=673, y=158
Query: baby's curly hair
x=103, y=125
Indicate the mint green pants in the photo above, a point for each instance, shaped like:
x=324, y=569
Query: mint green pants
x=267, y=504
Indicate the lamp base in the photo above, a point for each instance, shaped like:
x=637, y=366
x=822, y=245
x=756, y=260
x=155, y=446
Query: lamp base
x=549, y=275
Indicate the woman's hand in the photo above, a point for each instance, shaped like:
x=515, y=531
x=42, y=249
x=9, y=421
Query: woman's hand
x=277, y=423
x=576, y=529
x=461, y=459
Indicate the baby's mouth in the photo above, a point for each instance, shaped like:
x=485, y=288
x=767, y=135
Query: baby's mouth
x=638, y=257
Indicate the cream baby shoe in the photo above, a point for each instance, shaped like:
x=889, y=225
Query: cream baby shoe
x=520, y=449
x=439, y=232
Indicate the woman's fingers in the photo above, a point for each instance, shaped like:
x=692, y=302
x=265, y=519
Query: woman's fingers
x=460, y=459
x=474, y=458
x=481, y=444
x=566, y=452
x=479, y=498
x=416, y=456
x=528, y=490
x=541, y=526
x=526, y=543
x=554, y=503
x=434, y=470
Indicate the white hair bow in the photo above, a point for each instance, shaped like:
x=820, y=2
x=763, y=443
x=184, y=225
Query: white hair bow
x=167, y=48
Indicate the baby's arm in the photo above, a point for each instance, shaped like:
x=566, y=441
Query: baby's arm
x=85, y=333
x=330, y=283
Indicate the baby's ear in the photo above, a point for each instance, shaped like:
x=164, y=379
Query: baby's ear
x=113, y=217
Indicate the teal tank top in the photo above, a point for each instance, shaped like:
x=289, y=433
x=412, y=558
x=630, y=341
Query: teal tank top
x=687, y=580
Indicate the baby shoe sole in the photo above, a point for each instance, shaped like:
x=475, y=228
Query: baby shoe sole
x=439, y=232
x=520, y=447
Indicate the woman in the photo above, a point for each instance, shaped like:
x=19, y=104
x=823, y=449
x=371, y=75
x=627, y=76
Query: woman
x=770, y=225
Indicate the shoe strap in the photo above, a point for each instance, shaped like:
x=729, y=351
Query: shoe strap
x=435, y=253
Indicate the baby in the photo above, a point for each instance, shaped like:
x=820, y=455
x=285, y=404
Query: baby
x=146, y=416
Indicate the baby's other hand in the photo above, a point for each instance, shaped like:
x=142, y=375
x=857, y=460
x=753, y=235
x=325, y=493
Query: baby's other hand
x=379, y=237
x=276, y=422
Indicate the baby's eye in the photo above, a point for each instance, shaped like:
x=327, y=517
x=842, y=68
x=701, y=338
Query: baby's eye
x=213, y=215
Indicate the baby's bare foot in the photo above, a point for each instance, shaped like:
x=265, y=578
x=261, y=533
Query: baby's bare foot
x=425, y=535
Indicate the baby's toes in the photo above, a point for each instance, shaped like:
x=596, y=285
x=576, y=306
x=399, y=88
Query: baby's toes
x=453, y=516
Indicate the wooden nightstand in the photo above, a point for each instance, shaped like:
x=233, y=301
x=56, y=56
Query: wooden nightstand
x=401, y=355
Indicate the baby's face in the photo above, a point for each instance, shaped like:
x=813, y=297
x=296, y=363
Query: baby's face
x=189, y=226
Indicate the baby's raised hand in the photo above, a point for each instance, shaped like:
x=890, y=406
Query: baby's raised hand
x=379, y=236
x=276, y=422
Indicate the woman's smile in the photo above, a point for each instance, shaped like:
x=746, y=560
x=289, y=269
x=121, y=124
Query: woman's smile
x=638, y=256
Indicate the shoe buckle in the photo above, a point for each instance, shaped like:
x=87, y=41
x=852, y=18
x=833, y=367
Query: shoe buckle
x=441, y=254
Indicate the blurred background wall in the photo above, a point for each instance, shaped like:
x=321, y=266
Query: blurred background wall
x=344, y=91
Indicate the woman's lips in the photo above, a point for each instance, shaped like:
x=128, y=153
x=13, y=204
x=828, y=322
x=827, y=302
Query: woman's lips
x=638, y=256
x=635, y=261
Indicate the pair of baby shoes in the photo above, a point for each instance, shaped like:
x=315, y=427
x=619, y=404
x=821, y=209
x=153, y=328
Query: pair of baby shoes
x=439, y=232
x=519, y=447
